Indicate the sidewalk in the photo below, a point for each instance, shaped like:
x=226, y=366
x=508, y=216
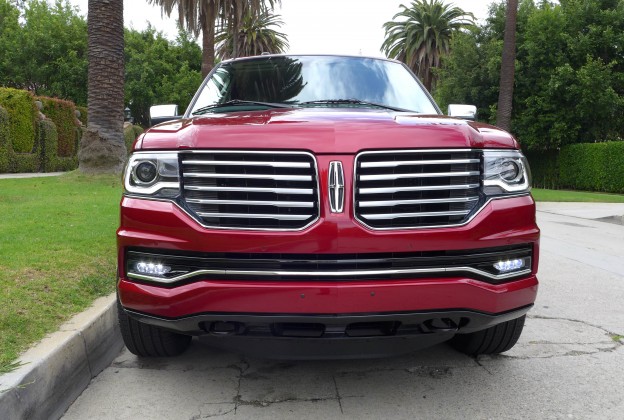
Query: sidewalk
x=30, y=175
x=605, y=212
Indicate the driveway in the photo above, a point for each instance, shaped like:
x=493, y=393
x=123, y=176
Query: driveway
x=568, y=364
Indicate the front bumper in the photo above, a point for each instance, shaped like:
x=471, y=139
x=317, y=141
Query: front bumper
x=162, y=226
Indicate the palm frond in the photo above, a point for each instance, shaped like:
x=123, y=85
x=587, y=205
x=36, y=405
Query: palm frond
x=420, y=35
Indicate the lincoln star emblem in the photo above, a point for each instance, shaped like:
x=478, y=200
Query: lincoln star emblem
x=336, y=187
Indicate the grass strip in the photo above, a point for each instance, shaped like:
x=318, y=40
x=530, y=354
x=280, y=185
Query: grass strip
x=57, y=253
x=575, y=196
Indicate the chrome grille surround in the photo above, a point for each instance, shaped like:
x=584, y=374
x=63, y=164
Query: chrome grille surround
x=250, y=190
x=415, y=189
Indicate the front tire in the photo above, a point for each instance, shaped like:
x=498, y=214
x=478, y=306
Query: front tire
x=148, y=341
x=493, y=340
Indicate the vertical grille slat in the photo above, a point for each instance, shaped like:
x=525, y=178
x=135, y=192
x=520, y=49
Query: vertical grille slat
x=251, y=189
x=416, y=188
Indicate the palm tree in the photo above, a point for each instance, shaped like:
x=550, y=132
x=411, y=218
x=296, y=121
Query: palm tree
x=203, y=16
x=102, y=148
x=423, y=35
x=255, y=36
x=508, y=68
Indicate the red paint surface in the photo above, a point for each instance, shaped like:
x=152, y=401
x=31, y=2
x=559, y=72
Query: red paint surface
x=326, y=297
x=321, y=130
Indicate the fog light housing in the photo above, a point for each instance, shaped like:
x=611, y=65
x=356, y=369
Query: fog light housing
x=509, y=266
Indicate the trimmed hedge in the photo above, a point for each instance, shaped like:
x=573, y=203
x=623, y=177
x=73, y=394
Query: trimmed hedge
x=4, y=141
x=544, y=168
x=44, y=149
x=50, y=159
x=11, y=161
x=22, y=118
x=63, y=114
x=585, y=166
x=593, y=167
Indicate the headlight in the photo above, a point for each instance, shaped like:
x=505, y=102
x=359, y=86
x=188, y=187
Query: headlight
x=153, y=174
x=505, y=172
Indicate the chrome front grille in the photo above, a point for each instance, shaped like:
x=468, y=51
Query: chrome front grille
x=416, y=188
x=251, y=190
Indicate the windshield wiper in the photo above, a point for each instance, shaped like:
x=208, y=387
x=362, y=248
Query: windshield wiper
x=237, y=102
x=354, y=102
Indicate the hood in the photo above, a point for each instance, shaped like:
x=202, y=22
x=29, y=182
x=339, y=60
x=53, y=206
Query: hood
x=323, y=130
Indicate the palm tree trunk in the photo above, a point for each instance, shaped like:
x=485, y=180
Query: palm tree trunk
x=236, y=39
x=208, y=39
x=508, y=67
x=102, y=148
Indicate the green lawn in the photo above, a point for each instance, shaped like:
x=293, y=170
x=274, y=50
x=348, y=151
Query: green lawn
x=575, y=196
x=57, y=253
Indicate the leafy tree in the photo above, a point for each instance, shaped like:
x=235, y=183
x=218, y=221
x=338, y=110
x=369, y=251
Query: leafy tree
x=159, y=71
x=470, y=74
x=422, y=35
x=569, y=82
x=43, y=49
x=47, y=54
x=9, y=41
x=255, y=36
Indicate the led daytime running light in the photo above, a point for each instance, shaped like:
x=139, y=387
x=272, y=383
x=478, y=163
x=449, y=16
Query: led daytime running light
x=152, y=269
x=509, y=265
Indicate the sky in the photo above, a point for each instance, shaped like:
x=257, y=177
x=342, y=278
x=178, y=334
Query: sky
x=312, y=26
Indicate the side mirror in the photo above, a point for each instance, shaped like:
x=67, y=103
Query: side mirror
x=163, y=113
x=467, y=112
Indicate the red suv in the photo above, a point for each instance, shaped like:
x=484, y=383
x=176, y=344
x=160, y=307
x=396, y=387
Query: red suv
x=321, y=206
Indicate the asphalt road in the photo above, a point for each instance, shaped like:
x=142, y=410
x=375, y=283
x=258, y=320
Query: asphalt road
x=568, y=364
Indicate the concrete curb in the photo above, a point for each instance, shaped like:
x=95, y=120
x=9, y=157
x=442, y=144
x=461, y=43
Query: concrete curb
x=56, y=371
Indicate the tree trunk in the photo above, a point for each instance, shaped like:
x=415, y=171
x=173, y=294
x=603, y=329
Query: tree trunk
x=208, y=39
x=508, y=67
x=102, y=148
x=235, y=29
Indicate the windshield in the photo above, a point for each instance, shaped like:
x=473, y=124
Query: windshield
x=315, y=81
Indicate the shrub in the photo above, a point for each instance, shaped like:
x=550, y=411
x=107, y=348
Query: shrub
x=5, y=148
x=544, y=168
x=131, y=132
x=45, y=150
x=50, y=159
x=614, y=167
x=62, y=113
x=593, y=167
x=23, y=113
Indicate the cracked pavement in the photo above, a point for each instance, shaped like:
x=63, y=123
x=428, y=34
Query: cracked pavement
x=568, y=363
